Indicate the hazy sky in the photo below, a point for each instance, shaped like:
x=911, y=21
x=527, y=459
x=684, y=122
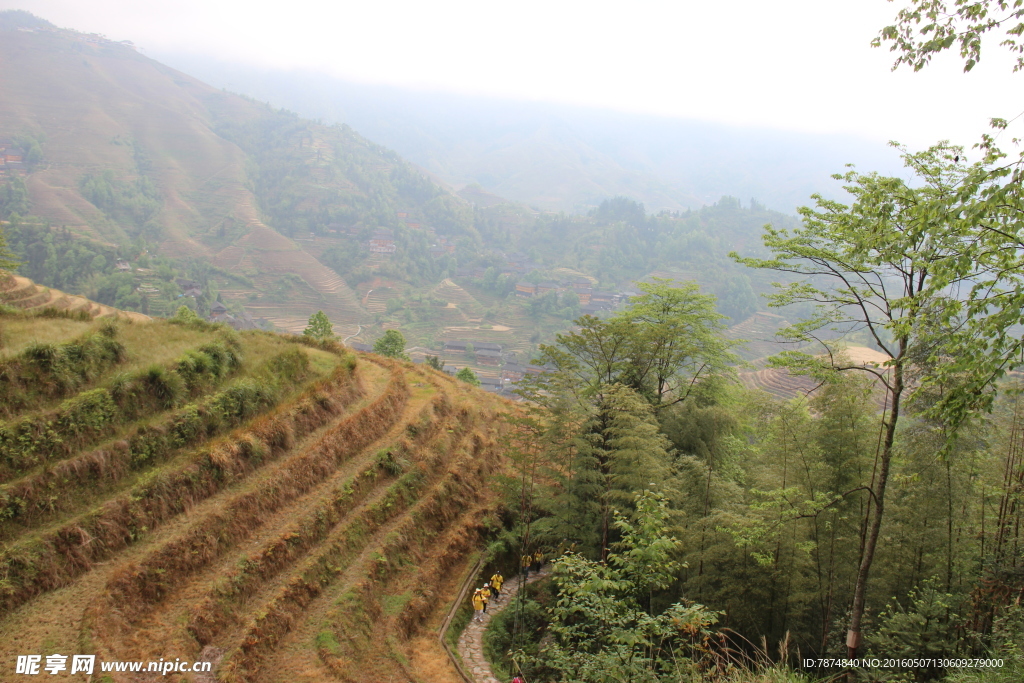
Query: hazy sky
x=792, y=64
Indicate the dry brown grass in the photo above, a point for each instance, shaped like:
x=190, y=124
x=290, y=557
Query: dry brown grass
x=293, y=512
x=53, y=558
x=138, y=586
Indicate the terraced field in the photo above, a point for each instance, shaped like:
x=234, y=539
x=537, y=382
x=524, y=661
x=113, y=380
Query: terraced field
x=289, y=513
x=778, y=382
x=759, y=332
x=20, y=292
x=781, y=384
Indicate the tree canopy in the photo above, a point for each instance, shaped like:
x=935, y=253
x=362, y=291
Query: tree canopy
x=319, y=327
x=391, y=344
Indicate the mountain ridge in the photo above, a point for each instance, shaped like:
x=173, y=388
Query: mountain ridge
x=664, y=162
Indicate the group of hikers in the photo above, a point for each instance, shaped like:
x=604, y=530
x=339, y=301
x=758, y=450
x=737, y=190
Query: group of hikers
x=492, y=589
x=483, y=595
x=534, y=562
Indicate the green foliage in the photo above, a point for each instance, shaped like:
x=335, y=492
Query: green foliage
x=14, y=198
x=944, y=26
x=468, y=376
x=885, y=264
x=602, y=624
x=391, y=344
x=387, y=461
x=55, y=370
x=7, y=259
x=132, y=204
x=434, y=362
x=319, y=327
x=665, y=342
x=925, y=628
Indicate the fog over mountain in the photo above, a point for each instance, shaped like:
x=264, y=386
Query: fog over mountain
x=562, y=157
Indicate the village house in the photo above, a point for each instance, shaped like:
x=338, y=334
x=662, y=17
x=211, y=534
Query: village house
x=524, y=288
x=488, y=357
x=582, y=285
x=584, y=296
x=545, y=287
x=513, y=372
x=383, y=242
x=122, y=266
x=487, y=346
x=14, y=157
x=492, y=384
x=455, y=346
x=594, y=308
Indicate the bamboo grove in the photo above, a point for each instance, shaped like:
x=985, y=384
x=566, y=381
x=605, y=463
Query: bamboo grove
x=878, y=515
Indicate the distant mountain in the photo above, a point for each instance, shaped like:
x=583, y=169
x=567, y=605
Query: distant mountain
x=559, y=157
x=120, y=149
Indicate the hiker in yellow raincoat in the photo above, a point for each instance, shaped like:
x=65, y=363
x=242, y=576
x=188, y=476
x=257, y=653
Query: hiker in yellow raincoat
x=497, y=580
x=478, y=605
x=538, y=561
x=486, y=593
x=526, y=561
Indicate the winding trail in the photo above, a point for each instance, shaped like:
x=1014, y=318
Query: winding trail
x=471, y=642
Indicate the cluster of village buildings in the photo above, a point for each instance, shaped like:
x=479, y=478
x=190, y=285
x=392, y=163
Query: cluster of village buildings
x=12, y=159
x=218, y=311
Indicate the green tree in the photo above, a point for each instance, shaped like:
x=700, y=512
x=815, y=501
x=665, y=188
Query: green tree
x=665, y=343
x=678, y=339
x=928, y=27
x=14, y=198
x=391, y=344
x=602, y=625
x=874, y=265
x=434, y=362
x=319, y=327
x=7, y=259
x=468, y=376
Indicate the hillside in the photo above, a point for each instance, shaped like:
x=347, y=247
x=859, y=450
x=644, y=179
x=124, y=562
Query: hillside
x=561, y=157
x=246, y=499
x=144, y=189
x=22, y=293
x=130, y=151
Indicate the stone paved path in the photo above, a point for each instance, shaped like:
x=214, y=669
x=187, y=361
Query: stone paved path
x=471, y=642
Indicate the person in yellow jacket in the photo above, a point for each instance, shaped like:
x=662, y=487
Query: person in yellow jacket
x=478, y=605
x=486, y=593
x=538, y=561
x=497, y=580
x=526, y=561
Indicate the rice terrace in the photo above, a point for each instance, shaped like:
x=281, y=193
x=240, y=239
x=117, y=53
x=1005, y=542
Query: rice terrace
x=247, y=499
